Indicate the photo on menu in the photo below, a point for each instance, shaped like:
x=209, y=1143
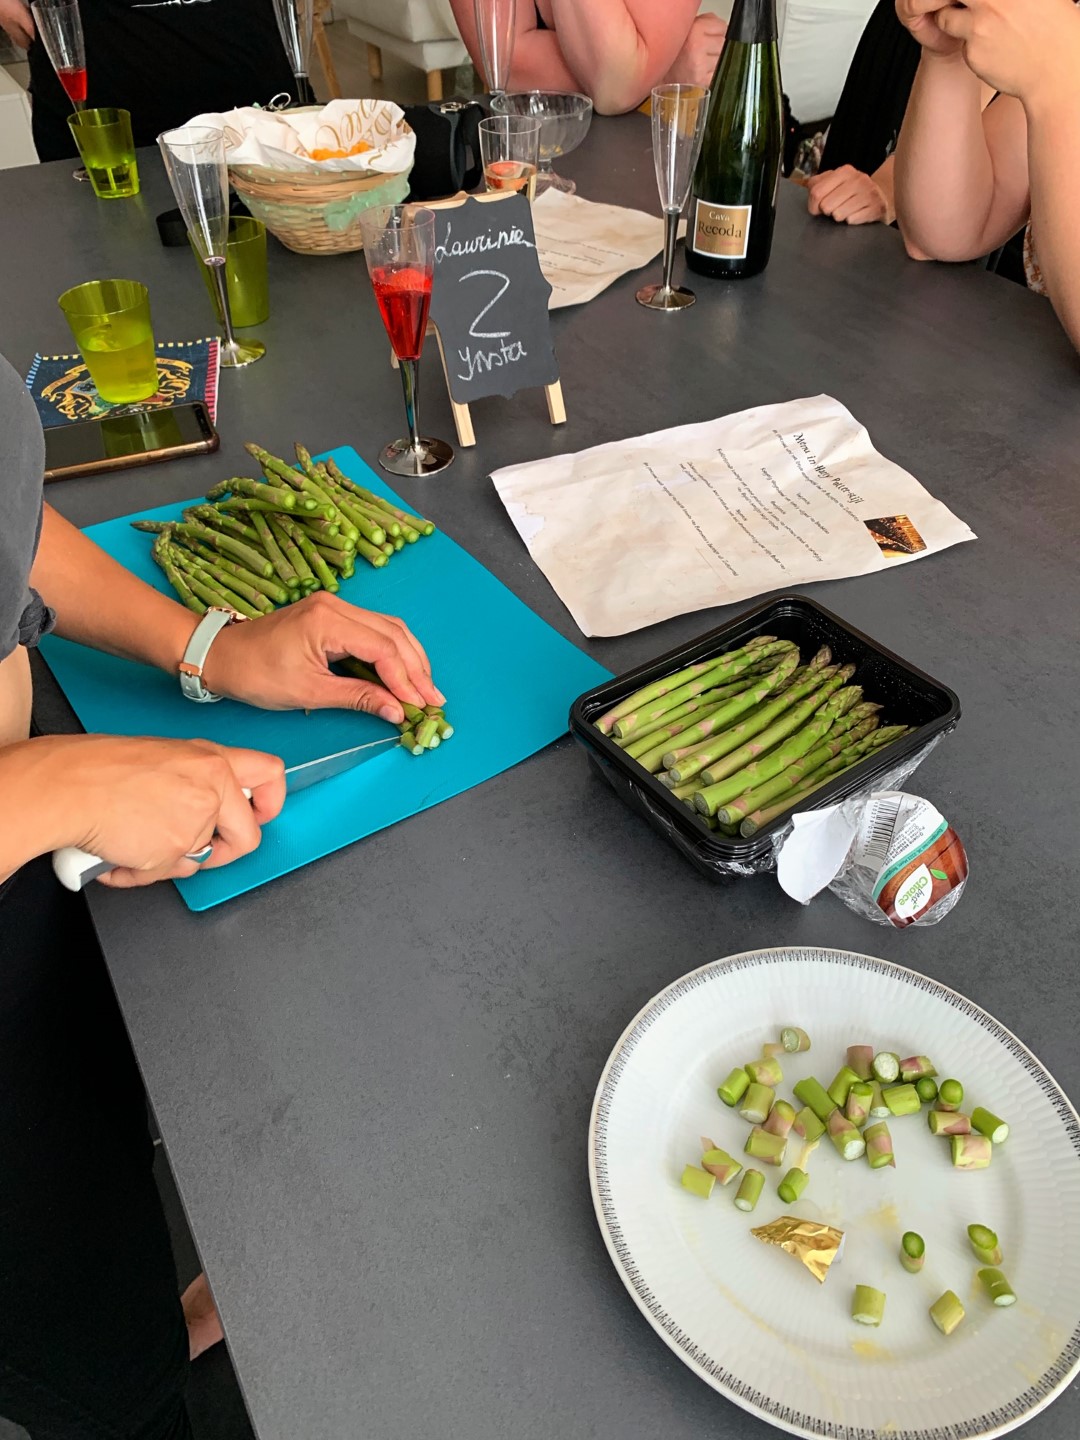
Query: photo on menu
x=895, y=536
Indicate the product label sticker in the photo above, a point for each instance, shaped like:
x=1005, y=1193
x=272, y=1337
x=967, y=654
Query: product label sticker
x=722, y=230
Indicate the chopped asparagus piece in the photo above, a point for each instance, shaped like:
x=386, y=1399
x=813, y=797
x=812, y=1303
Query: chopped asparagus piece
x=868, y=1305
x=915, y=1067
x=698, y=1182
x=793, y=1185
x=912, y=1252
x=734, y=1087
x=756, y=1104
x=950, y=1095
x=811, y=1092
x=781, y=1119
x=947, y=1313
x=857, y=1108
x=971, y=1152
x=879, y=1146
x=807, y=1125
x=886, y=1067
x=927, y=1089
x=989, y=1125
x=948, y=1122
x=984, y=1242
x=1001, y=1292
x=765, y=1072
x=849, y=1144
x=794, y=1039
x=749, y=1191
x=843, y=1080
x=902, y=1099
x=719, y=1163
x=878, y=1109
x=860, y=1058
x=763, y=1146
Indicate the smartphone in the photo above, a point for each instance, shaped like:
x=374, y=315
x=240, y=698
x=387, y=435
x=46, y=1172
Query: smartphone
x=117, y=442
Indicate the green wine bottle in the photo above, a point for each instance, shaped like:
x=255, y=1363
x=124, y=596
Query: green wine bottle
x=733, y=194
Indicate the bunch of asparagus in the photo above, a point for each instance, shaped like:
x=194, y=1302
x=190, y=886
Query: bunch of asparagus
x=260, y=544
x=748, y=735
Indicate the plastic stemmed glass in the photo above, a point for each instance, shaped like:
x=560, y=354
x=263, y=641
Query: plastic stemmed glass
x=678, y=121
x=399, y=246
x=194, y=157
x=59, y=25
x=296, y=21
x=495, y=28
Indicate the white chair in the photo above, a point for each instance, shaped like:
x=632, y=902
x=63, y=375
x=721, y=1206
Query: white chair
x=420, y=32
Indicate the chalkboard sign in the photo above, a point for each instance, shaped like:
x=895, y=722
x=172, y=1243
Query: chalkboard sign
x=489, y=299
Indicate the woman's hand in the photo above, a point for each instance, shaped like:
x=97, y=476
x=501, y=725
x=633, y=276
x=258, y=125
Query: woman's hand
x=281, y=661
x=17, y=19
x=849, y=196
x=920, y=17
x=1019, y=47
x=696, y=61
x=145, y=804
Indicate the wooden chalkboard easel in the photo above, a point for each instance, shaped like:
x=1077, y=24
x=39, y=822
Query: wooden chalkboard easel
x=462, y=414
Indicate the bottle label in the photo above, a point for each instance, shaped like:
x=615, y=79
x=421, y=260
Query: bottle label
x=722, y=230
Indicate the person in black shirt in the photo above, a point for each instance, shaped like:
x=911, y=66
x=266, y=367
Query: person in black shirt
x=164, y=60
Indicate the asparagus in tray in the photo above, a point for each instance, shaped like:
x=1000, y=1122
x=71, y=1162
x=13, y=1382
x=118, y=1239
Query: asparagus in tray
x=745, y=736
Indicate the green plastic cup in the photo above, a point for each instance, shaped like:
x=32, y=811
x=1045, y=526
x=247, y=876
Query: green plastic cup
x=107, y=150
x=110, y=320
x=245, y=273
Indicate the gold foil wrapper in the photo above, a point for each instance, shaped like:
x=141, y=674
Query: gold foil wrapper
x=815, y=1244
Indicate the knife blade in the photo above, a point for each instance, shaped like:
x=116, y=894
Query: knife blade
x=75, y=868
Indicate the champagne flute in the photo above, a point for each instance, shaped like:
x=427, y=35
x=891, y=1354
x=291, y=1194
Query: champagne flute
x=678, y=122
x=194, y=157
x=399, y=246
x=495, y=28
x=59, y=24
x=295, y=22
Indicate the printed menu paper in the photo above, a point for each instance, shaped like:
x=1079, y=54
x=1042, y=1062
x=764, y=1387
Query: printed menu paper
x=584, y=246
x=636, y=531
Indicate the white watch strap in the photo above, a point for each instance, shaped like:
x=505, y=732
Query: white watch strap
x=191, y=667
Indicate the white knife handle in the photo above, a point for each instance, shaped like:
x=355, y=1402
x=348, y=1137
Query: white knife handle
x=75, y=868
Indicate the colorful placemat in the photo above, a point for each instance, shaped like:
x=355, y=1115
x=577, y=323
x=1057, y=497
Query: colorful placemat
x=63, y=391
x=508, y=676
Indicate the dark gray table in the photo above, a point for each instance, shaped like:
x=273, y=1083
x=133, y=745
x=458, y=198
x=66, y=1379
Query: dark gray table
x=377, y=1112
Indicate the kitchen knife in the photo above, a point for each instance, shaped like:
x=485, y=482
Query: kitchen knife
x=75, y=868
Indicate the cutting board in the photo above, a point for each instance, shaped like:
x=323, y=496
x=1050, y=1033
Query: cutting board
x=508, y=676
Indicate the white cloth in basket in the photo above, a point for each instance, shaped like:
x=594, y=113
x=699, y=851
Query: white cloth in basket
x=281, y=140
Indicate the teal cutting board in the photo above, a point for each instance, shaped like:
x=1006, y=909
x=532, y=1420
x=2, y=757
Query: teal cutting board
x=491, y=656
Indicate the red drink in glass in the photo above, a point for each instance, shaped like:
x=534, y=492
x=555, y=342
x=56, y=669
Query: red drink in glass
x=74, y=83
x=404, y=297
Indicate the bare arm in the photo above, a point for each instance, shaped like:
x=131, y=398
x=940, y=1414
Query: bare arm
x=961, y=177
x=613, y=50
x=1055, y=201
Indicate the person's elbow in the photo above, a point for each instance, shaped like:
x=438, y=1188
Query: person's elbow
x=611, y=95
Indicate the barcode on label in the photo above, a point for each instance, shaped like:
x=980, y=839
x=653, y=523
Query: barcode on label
x=879, y=829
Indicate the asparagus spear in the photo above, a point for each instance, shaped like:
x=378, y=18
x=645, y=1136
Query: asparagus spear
x=226, y=524
x=270, y=588
x=835, y=743
x=285, y=572
x=370, y=552
x=792, y=734
x=213, y=594
x=236, y=590
x=179, y=583
x=238, y=549
x=294, y=556
x=717, y=673
x=310, y=554
x=673, y=722
x=665, y=686
x=415, y=522
x=279, y=495
x=752, y=724
x=273, y=466
x=730, y=712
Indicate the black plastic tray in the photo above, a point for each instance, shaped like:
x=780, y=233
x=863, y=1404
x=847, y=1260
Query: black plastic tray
x=909, y=695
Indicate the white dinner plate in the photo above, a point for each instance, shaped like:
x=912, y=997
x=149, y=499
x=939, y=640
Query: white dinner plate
x=750, y=1319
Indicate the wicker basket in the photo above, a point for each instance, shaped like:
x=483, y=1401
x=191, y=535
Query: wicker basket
x=314, y=214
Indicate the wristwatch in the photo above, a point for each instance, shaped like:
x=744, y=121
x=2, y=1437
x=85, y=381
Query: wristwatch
x=202, y=637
